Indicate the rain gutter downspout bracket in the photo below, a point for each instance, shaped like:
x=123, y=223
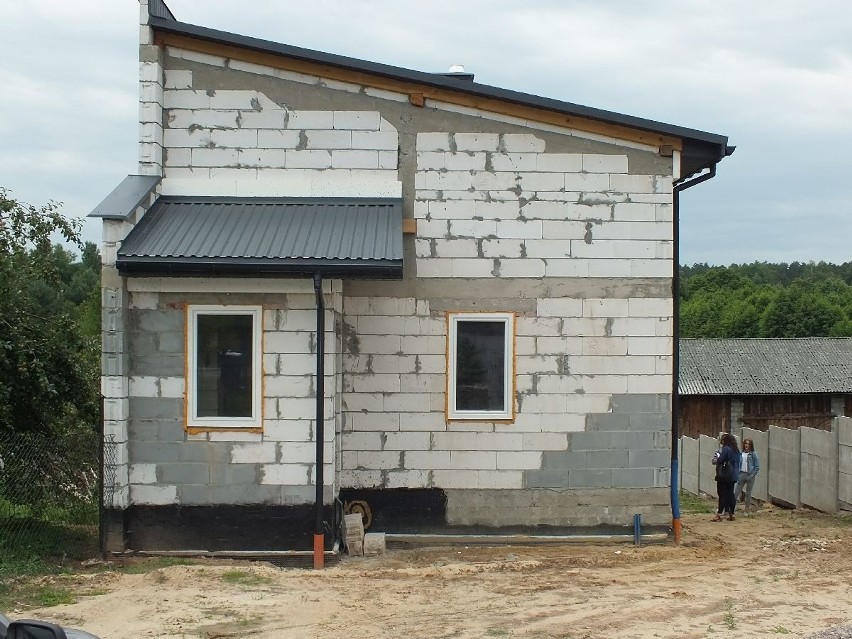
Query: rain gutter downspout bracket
x=319, y=534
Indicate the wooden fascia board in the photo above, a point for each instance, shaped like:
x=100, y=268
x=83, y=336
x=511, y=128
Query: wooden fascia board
x=421, y=91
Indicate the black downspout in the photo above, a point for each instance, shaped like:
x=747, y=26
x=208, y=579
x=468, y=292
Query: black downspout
x=319, y=533
x=675, y=463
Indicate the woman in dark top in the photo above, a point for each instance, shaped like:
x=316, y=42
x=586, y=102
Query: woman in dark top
x=728, y=452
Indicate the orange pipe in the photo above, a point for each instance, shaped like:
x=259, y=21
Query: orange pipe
x=319, y=551
x=676, y=529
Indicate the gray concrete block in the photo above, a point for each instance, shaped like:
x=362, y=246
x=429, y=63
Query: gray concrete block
x=650, y=421
x=142, y=430
x=590, y=478
x=607, y=421
x=654, y=458
x=595, y=440
x=114, y=364
x=844, y=430
x=228, y=474
x=153, y=452
x=183, y=473
x=546, y=478
x=551, y=460
x=633, y=477
x=607, y=459
x=207, y=452
x=156, y=408
x=157, y=320
x=642, y=439
x=784, y=464
x=158, y=365
x=171, y=430
x=688, y=462
x=170, y=343
x=641, y=403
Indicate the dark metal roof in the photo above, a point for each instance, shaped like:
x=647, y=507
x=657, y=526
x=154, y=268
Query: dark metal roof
x=765, y=366
x=130, y=193
x=700, y=149
x=203, y=236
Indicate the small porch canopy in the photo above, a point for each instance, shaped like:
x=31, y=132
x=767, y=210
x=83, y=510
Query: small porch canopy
x=266, y=237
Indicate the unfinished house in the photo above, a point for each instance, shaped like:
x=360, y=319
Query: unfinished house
x=335, y=285
x=726, y=384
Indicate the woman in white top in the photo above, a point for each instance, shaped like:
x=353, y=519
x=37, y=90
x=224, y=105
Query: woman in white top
x=749, y=468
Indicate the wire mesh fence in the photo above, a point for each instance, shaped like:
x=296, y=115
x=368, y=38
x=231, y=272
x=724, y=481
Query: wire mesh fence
x=49, y=499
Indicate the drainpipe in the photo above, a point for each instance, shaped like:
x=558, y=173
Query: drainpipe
x=675, y=464
x=319, y=534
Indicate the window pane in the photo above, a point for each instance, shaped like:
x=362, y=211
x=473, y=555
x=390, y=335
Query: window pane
x=224, y=383
x=480, y=366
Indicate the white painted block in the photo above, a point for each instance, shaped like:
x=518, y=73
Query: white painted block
x=288, y=386
x=513, y=161
x=464, y=161
x=521, y=143
x=266, y=119
x=254, y=453
x=144, y=386
x=233, y=436
x=451, y=180
x=388, y=160
x=274, y=139
x=352, y=159
x=114, y=386
x=548, y=249
x=308, y=159
x=304, y=452
x=407, y=479
x=116, y=409
x=476, y=141
x=373, y=421
x=545, y=441
x=500, y=479
x=426, y=459
x=650, y=307
x=541, y=181
x=597, y=163
x=518, y=229
x=287, y=430
x=455, y=479
x=610, y=268
x=451, y=210
x=649, y=384
x=386, y=95
x=362, y=120
x=250, y=67
x=559, y=162
x=263, y=158
x=605, y=308
x=586, y=182
x=286, y=475
x=214, y=157
x=502, y=248
x=528, y=267
x=153, y=495
x=178, y=157
x=472, y=268
x=362, y=441
x=649, y=345
x=377, y=140
x=651, y=268
x=495, y=180
x=143, y=473
x=185, y=99
x=410, y=440
x=632, y=183
x=433, y=142
x=329, y=139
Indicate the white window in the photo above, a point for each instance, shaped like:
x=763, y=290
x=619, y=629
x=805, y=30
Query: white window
x=224, y=366
x=480, y=370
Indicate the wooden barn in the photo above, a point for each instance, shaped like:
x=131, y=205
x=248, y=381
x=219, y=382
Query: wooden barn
x=725, y=384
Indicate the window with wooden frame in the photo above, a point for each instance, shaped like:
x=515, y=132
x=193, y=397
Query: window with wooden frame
x=224, y=375
x=480, y=366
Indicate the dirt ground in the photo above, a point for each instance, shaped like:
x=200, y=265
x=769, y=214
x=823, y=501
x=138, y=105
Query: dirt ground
x=778, y=572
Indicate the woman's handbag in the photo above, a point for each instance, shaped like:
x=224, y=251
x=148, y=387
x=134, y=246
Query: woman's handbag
x=724, y=471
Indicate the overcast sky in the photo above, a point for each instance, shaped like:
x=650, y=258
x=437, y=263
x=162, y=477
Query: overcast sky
x=775, y=77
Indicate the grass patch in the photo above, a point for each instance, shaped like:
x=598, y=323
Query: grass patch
x=730, y=619
x=780, y=630
x=144, y=566
x=242, y=578
x=694, y=505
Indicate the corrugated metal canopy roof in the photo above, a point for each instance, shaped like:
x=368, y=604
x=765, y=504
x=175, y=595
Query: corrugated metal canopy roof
x=202, y=236
x=765, y=366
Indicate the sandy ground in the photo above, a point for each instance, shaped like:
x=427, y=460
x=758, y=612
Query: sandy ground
x=776, y=573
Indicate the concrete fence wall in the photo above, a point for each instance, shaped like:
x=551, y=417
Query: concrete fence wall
x=804, y=467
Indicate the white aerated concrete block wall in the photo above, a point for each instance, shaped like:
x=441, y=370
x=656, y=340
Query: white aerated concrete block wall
x=499, y=205
x=241, y=143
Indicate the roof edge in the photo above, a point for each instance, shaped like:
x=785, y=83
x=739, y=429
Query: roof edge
x=126, y=197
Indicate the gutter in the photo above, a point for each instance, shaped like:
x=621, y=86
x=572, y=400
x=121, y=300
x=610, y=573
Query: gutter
x=680, y=185
x=319, y=533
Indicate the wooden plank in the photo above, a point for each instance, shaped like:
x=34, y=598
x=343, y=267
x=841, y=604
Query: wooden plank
x=415, y=90
x=409, y=226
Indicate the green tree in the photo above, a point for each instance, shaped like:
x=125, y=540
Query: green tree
x=48, y=366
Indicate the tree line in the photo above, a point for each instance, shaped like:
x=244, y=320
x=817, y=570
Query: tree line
x=763, y=299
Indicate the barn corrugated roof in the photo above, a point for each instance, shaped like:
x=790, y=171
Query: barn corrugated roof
x=765, y=366
x=339, y=237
